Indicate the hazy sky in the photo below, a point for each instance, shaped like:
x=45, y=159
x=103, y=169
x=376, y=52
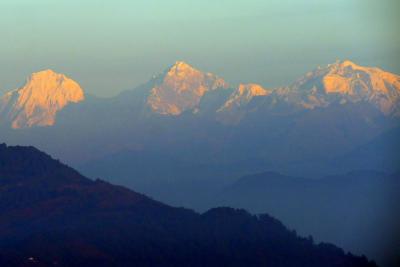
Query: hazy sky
x=109, y=46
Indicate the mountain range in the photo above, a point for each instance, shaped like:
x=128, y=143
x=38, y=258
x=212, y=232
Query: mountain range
x=185, y=136
x=52, y=216
x=337, y=108
x=181, y=88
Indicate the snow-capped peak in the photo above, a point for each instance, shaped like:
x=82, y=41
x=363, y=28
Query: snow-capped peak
x=38, y=101
x=181, y=88
x=345, y=81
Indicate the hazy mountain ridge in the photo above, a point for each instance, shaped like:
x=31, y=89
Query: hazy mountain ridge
x=357, y=210
x=51, y=215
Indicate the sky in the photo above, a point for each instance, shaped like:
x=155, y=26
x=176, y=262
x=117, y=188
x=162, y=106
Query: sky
x=115, y=45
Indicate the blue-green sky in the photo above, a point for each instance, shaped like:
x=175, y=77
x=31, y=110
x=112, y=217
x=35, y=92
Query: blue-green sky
x=109, y=46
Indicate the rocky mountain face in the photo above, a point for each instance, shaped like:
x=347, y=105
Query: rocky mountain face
x=50, y=215
x=235, y=107
x=38, y=101
x=243, y=95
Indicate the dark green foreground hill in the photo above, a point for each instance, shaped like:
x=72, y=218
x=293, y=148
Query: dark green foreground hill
x=50, y=215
